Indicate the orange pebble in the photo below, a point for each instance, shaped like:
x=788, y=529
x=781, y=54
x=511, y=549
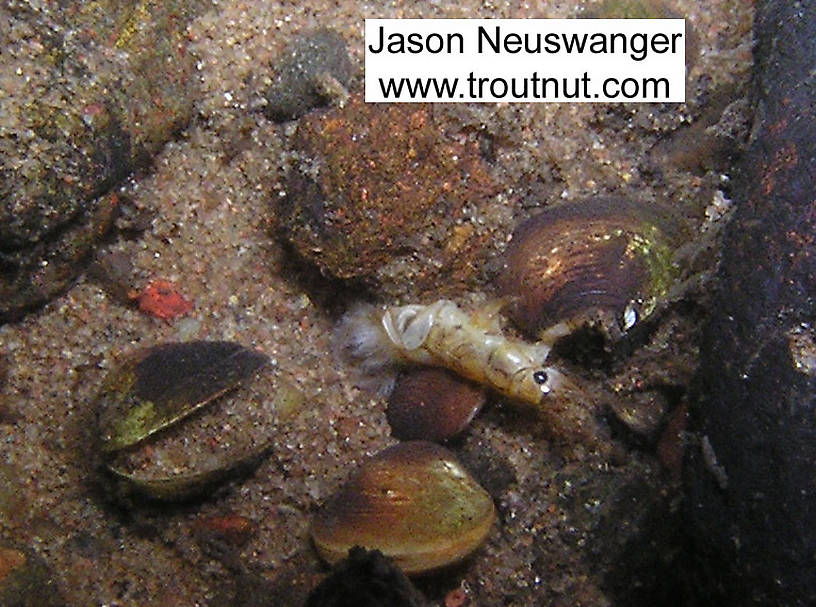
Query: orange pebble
x=161, y=298
x=456, y=598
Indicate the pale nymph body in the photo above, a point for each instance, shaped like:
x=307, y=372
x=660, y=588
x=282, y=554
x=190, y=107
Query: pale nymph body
x=472, y=345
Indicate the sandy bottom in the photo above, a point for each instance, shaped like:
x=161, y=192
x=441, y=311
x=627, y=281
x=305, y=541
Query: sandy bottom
x=213, y=191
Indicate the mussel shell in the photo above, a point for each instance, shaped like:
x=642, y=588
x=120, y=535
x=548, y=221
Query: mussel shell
x=432, y=404
x=218, y=443
x=173, y=486
x=608, y=254
x=414, y=502
x=641, y=413
x=158, y=386
x=169, y=430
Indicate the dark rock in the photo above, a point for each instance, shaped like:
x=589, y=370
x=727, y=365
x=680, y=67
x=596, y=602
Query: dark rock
x=31, y=275
x=113, y=271
x=626, y=521
x=365, y=579
x=315, y=68
x=750, y=477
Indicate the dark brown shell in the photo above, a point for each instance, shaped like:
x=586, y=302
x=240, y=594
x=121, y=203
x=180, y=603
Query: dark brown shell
x=608, y=254
x=432, y=404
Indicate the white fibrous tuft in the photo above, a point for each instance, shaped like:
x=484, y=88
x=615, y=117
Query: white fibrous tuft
x=362, y=342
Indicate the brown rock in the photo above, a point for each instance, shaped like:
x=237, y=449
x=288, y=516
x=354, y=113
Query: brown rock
x=381, y=194
x=26, y=580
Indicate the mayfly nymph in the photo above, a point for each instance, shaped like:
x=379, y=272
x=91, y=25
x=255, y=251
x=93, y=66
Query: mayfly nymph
x=472, y=345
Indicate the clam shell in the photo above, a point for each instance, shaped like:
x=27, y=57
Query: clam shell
x=158, y=386
x=157, y=434
x=414, y=502
x=432, y=404
x=152, y=476
x=603, y=256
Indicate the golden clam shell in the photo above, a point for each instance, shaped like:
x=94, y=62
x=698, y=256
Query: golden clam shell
x=414, y=502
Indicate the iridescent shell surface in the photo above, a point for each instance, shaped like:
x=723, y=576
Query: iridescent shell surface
x=151, y=440
x=607, y=255
x=414, y=502
x=158, y=386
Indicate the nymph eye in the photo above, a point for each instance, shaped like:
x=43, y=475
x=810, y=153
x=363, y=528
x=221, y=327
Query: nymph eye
x=540, y=377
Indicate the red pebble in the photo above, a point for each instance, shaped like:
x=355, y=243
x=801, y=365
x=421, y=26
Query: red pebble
x=456, y=598
x=161, y=298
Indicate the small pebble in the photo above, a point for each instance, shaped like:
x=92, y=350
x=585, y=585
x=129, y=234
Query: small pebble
x=162, y=299
x=314, y=69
